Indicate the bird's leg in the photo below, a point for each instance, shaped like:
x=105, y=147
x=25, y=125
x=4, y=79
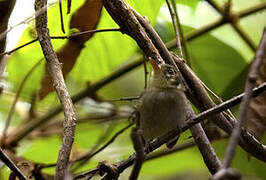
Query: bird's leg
x=138, y=144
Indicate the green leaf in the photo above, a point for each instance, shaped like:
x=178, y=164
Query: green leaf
x=215, y=62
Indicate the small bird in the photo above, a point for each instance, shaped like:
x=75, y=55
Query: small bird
x=163, y=104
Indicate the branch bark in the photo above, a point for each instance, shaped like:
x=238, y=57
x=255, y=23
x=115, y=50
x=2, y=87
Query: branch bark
x=60, y=87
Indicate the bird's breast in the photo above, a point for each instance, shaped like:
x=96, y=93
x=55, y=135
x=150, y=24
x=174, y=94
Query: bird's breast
x=161, y=111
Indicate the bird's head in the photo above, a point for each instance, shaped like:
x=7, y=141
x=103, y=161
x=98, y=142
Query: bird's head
x=164, y=76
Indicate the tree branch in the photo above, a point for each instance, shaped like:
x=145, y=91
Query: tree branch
x=5, y=159
x=140, y=154
x=208, y=154
x=250, y=84
x=183, y=40
x=60, y=87
x=174, y=20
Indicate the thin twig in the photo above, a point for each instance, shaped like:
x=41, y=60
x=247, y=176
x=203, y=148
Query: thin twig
x=85, y=157
x=225, y=105
x=86, y=32
x=13, y=106
x=87, y=174
x=252, y=10
x=140, y=154
x=7, y=161
x=183, y=40
x=177, y=148
x=55, y=71
x=61, y=16
x=62, y=37
x=219, y=99
x=178, y=42
x=19, y=47
x=88, y=156
x=250, y=83
x=69, y=6
x=125, y=99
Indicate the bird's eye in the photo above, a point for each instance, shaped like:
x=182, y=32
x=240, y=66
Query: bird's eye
x=170, y=72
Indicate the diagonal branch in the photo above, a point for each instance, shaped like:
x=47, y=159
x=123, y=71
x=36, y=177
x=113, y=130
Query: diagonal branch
x=250, y=83
x=208, y=154
x=5, y=159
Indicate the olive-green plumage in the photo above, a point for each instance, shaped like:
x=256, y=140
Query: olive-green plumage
x=163, y=104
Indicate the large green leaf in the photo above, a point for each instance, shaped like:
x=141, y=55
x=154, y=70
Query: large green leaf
x=215, y=62
x=105, y=51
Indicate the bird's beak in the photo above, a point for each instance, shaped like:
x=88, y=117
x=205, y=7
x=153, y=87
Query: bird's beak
x=154, y=65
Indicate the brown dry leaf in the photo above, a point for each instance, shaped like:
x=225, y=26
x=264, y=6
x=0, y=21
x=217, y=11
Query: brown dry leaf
x=85, y=18
x=256, y=116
